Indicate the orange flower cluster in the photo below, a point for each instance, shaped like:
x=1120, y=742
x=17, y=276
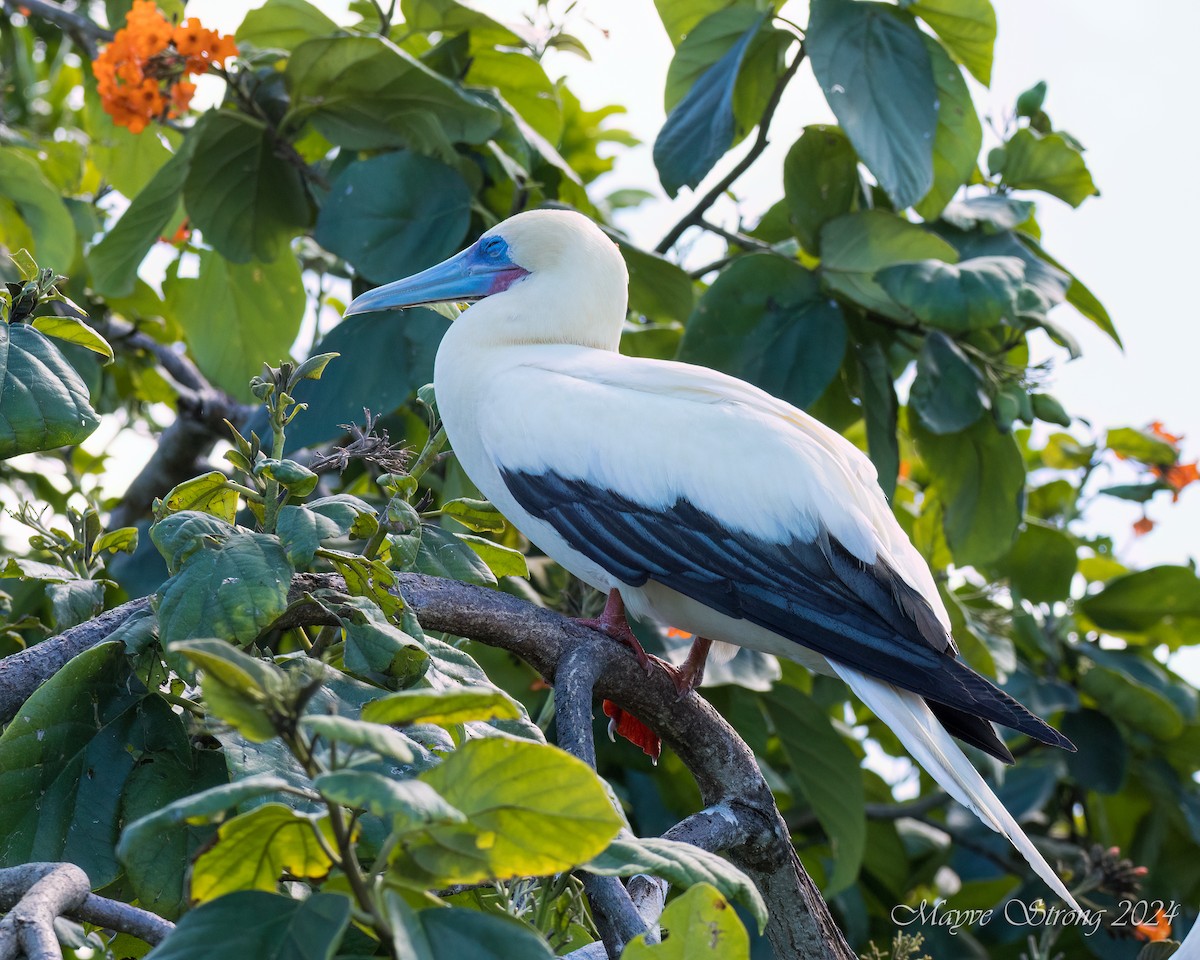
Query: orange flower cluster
x=144, y=73
x=1157, y=929
x=1174, y=475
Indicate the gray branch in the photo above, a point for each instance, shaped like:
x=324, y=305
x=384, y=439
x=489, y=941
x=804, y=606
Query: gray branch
x=36, y=894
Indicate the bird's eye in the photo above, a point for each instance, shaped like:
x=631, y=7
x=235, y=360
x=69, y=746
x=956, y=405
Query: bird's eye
x=493, y=247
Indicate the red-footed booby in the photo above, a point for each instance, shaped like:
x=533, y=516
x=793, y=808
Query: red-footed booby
x=695, y=499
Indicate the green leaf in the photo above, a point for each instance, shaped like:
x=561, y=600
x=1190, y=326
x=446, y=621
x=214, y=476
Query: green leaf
x=979, y=478
x=266, y=926
x=478, y=515
x=880, y=408
x=284, y=24
x=1048, y=163
x=72, y=330
x=1078, y=295
x=959, y=134
x=375, y=645
x=1047, y=409
x=208, y=493
x=856, y=246
x=1133, y=444
x=1136, y=492
x=236, y=317
x=301, y=531
x=1137, y=602
x=43, y=403
x=74, y=602
x=1045, y=285
x=125, y=160
x=766, y=320
x=966, y=27
x=247, y=201
x=820, y=181
x=444, y=554
x=827, y=772
x=381, y=739
x=699, y=924
x=414, y=803
x=533, y=810
x=680, y=17
x=65, y=759
x=122, y=540
x=360, y=378
x=700, y=128
x=180, y=535
x=40, y=206
x=254, y=850
x=245, y=692
x=457, y=933
x=365, y=93
x=1041, y=564
x=443, y=707
x=448, y=16
x=994, y=211
x=233, y=590
x=948, y=391
x=658, y=288
x=502, y=561
x=1124, y=698
x=521, y=80
x=969, y=295
x=682, y=865
x=394, y=215
x=873, y=67
x=1101, y=756
x=114, y=261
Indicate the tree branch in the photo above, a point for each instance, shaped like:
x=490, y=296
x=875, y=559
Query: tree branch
x=35, y=894
x=84, y=31
x=694, y=216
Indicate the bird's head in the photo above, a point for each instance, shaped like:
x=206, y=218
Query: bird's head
x=561, y=280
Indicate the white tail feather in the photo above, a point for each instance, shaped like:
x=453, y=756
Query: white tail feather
x=927, y=740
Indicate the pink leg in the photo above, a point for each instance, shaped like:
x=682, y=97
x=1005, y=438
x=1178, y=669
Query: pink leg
x=613, y=623
x=688, y=676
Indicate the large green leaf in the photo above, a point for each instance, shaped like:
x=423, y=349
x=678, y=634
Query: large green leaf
x=968, y=295
x=443, y=707
x=532, y=810
x=978, y=476
x=766, y=320
x=966, y=27
x=827, y=772
x=231, y=590
x=959, y=134
x=1101, y=756
x=820, y=181
x=1078, y=295
x=365, y=93
x=680, y=17
x=1041, y=564
x=522, y=82
x=682, y=865
x=43, y=403
x=700, y=127
x=181, y=534
x=873, y=67
x=1136, y=602
x=658, y=288
x=41, y=208
x=1049, y=163
x=856, y=246
x=284, y=24
x=414, y=803
x=114, y=261
x=394, y=215
x=384, y=358
x=244, y=197
x=699, y=924
x=948, y=393
x=457, y=934
x=238, y=316
x=1125, y=698
x=65, y=760
x=266, y=926
x=252, y=851
x=450, y=16
x=880, y=409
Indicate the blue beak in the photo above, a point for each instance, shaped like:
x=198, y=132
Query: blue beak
x=481, y=270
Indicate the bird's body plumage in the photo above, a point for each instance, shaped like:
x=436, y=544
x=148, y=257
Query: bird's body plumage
x=708, y=504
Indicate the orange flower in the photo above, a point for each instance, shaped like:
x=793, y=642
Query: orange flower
x=180, y=236
x=676, y=634
x=1143, y=526
x=1178, y=475
x=1156, y=428
x=1158, y=929
x=144, y=74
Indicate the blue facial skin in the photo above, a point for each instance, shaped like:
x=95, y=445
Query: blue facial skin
x=481, y=270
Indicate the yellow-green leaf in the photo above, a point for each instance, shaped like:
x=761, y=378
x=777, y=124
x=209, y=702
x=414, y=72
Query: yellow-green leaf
x=73, y=330
x=443, y=707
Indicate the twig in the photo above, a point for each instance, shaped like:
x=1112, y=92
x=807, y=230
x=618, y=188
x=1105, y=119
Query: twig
x=84, y=31
x=735, y=236
x=693, y=217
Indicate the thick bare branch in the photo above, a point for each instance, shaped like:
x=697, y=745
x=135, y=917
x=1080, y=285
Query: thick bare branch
x=85, y=32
